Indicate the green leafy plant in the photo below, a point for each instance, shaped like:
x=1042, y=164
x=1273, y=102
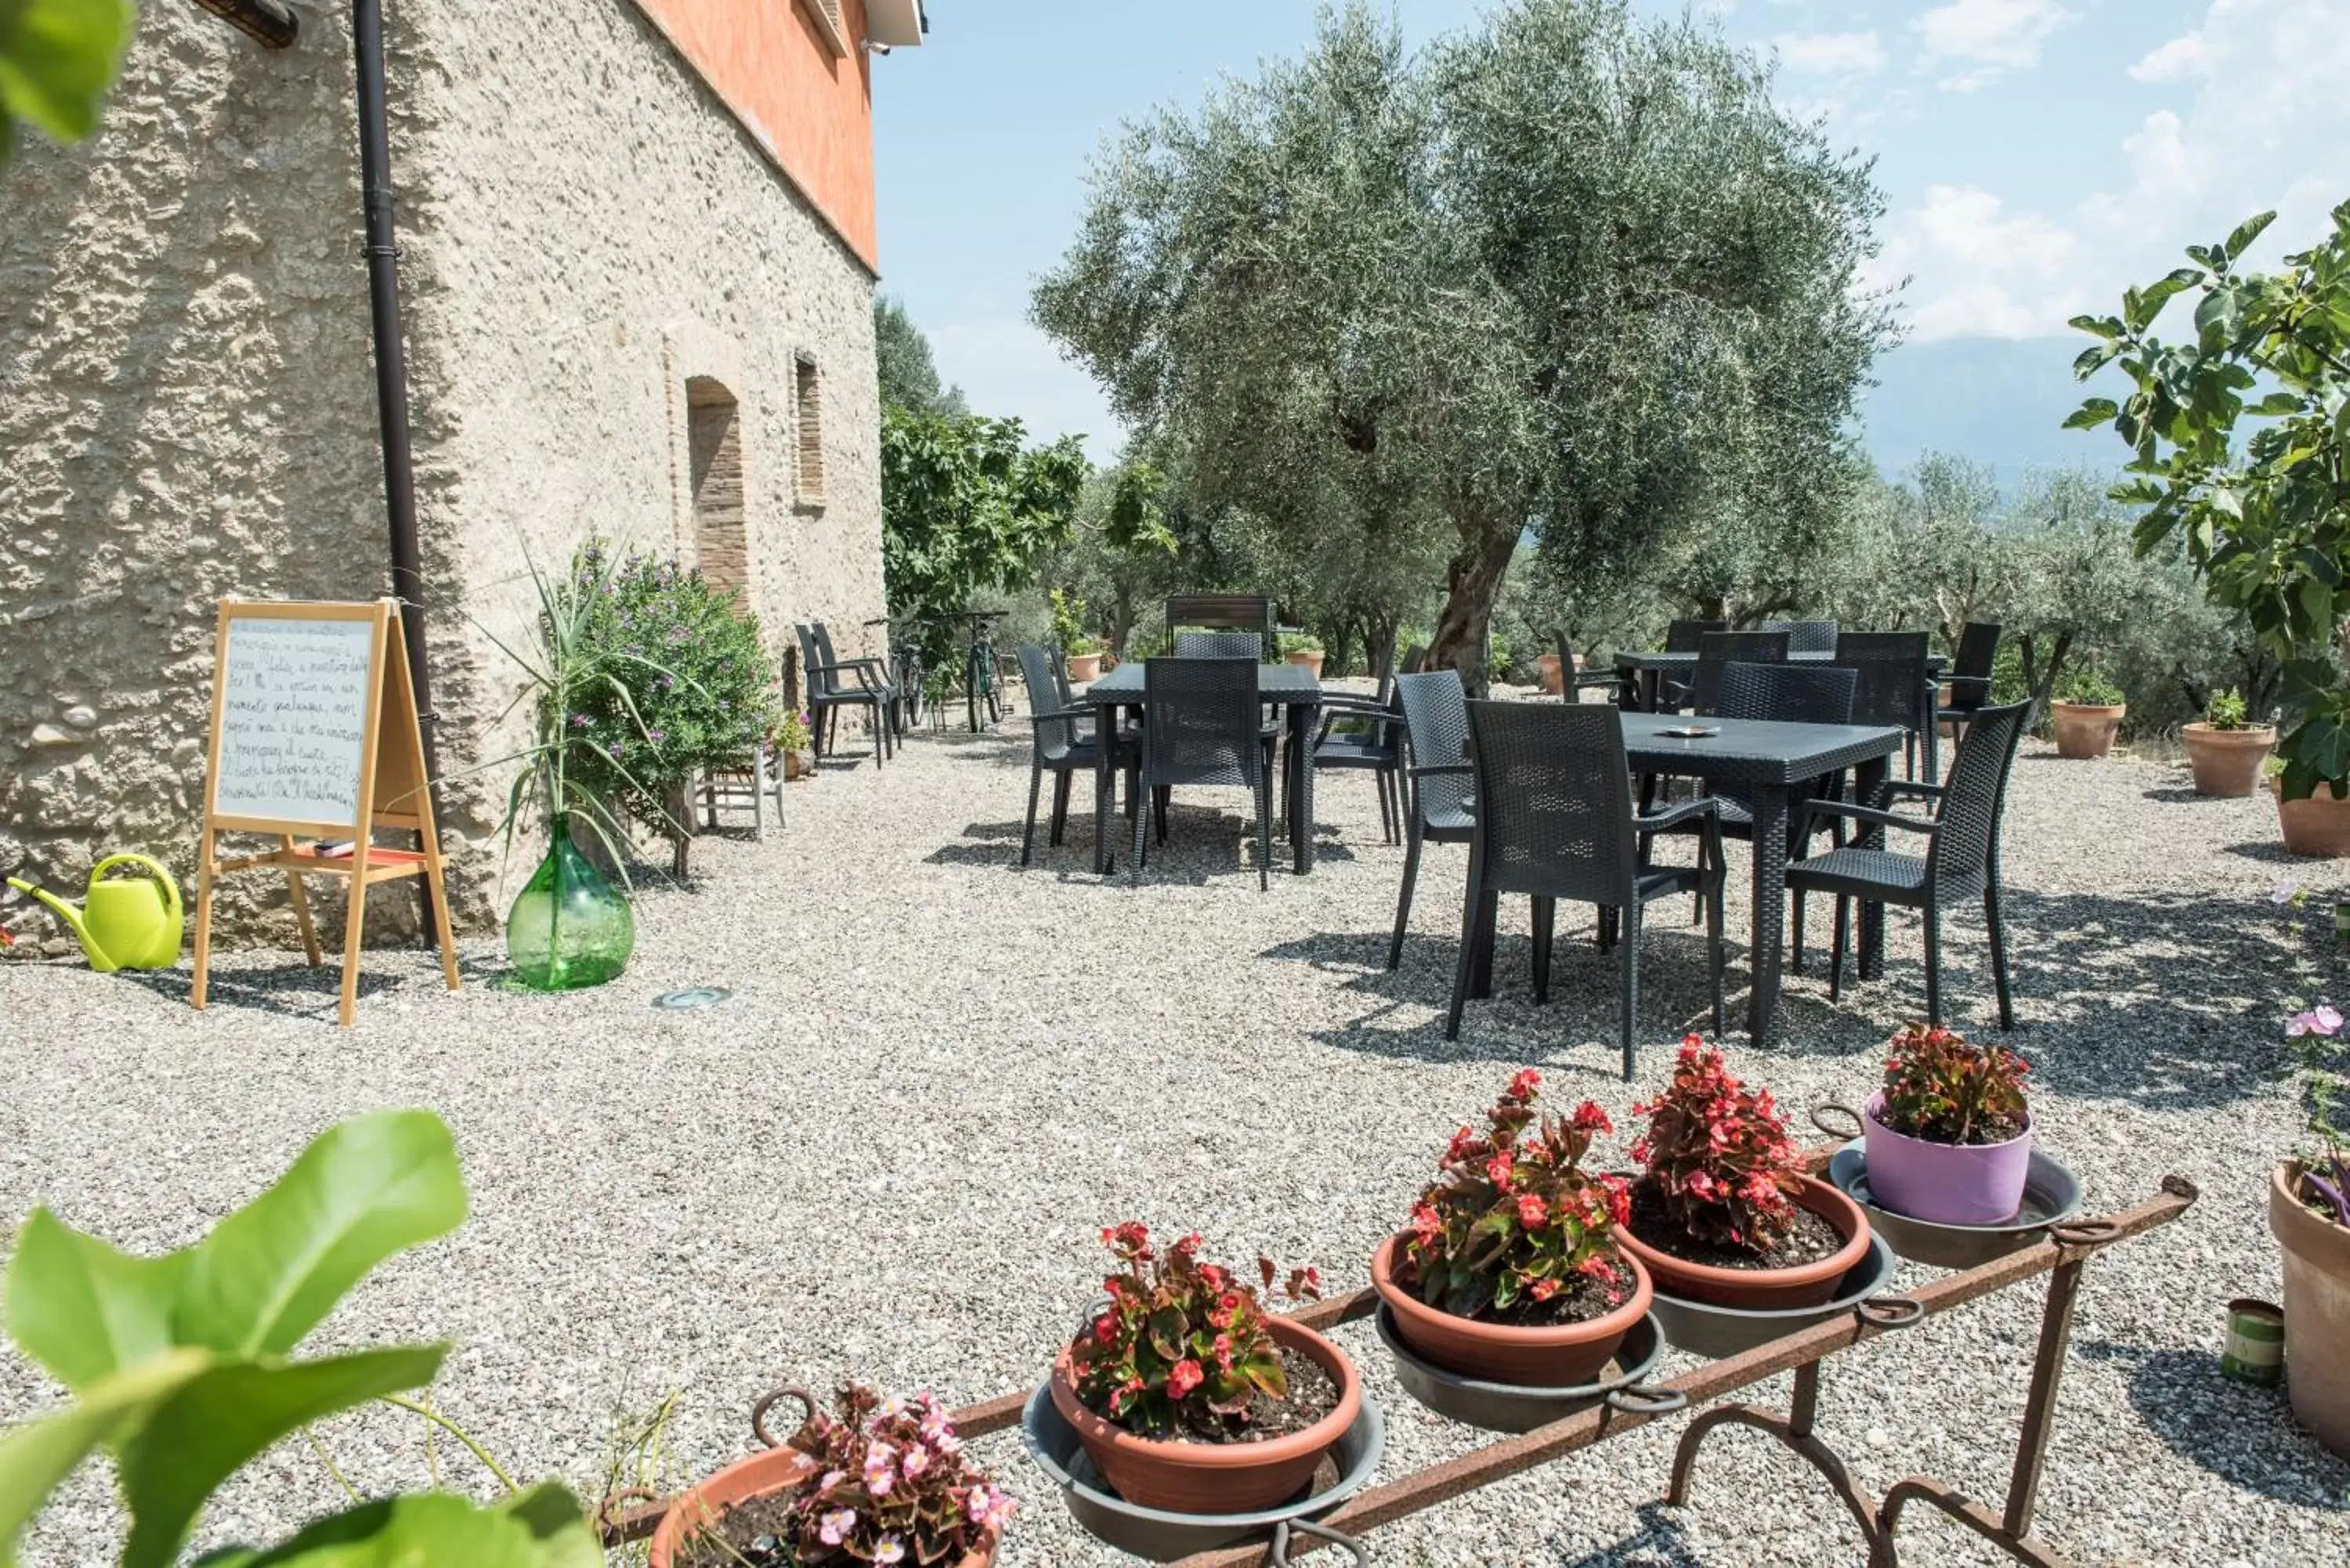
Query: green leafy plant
x=1512, y=1223
x=2324, y=1076
x=1180, y=1340
x=686, y=686
x=790, y=732
x=2087, y=684
x=2225, y=711
x=182, y=1369
x=1942, y=1089
x=1069, y=626
x=57, y=57
x=2262, y=513
x=1290, y=642
x=1719, y=1155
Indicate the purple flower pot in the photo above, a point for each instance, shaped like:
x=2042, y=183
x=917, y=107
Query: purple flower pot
x=1943, y=1183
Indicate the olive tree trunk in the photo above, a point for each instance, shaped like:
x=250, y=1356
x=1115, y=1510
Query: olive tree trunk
x=1472, y=583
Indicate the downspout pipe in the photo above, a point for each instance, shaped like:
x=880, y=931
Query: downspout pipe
x=392, y=378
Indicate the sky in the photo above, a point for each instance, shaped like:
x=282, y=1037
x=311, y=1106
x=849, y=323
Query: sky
x=2037, y=156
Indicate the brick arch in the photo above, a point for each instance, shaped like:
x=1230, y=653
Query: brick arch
x=716, y=503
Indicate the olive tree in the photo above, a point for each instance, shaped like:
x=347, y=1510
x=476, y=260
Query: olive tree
x=1564, y=274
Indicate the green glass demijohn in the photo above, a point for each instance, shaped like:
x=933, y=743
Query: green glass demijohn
x=570, y=926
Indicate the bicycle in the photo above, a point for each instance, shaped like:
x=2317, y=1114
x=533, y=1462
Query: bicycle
x=979, y=672
x=905, y=665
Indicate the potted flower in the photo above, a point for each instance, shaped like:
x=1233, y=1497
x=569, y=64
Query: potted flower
x=1725, y=1212
x=1189, y=1396
x=1302, y=647
x=1510, y=1271
x=2316, y=824
x=1079, y=647
x=2309, y=1214
x=1949, y=1138
x=2088, y=716
x=2226, y=751
x=871, y=1482
x=789, y=741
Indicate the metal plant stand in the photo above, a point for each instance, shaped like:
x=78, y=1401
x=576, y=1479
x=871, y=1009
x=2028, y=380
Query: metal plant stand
x=2061, y=1254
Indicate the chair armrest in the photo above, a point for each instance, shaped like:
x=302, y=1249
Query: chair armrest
x=1866, y=813
x=1064, y=716
x=1672, y=816
x=1341, y=702
x=1967, y=682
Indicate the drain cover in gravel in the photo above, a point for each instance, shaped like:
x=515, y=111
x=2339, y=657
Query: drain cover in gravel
x=696, y=996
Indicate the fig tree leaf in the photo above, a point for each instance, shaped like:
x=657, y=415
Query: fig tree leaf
x=83, y=1310
x=39, y=1456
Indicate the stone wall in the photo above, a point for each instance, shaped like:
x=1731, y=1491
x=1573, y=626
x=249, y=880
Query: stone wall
x=593, y=252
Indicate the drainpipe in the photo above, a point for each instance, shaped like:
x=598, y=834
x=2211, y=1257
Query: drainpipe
x=391, y=380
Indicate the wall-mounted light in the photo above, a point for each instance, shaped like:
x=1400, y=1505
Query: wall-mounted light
x=269, y=23
x=871, y=47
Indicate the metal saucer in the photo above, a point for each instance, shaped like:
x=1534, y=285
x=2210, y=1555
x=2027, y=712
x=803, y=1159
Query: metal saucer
x=1702, y=1328
x=1161, y=1536
x=2051, y=1194
x=1513, y=1408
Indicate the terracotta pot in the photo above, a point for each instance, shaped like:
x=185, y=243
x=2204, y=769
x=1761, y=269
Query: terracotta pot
x=2316, y=825
x=2317, y=1311
x=1548, y=664
x=1311, y=657
x=1558, y=1357
x=777, y=1469
x=2227, y=761
x=1943, y=1183
x=2087, y=730
x=1084, y=667
x=1215, y=1478
x=795, y=765
x=1766, y=1289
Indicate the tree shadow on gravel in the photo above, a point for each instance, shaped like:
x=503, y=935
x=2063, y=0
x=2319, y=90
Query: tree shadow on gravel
x=1659, y=1542
x=2245, y=1436
x=297, y=992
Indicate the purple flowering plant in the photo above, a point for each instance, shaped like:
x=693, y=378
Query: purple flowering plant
x=2325, y=1174
x=893, y=1485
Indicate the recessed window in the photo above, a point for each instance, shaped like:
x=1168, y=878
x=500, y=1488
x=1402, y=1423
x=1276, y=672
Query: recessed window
x=808, y=397
x=721, y=545
x=825, y=14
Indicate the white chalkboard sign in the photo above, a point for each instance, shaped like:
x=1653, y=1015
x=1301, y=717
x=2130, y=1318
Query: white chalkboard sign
x=296, y=701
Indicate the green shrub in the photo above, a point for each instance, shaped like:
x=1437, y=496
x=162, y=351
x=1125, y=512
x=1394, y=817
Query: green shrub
x=2225, y=711
x=1291, y=642
x=688, y=690
x=2086, y=683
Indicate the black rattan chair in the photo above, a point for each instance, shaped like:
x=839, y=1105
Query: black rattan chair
x=1555, y=820
x=827, y=693
x=873, y=671
x=1372, y=740
x=1894, y=688
x=1688, y=636
x=1203, y=725
x=1970, y=673
x=1436, y=783
x=1221, y=612
x=1573, y=683
x=1718, y=650
x=1961, y=860
x=1795, y=693
x=1062, y=747
x=1218, y=645
x=1805, y=635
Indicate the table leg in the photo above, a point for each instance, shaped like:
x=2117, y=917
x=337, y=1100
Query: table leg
x=1105, y=787
x=1301, y=717
x=1765, y=953
x=1868, y=781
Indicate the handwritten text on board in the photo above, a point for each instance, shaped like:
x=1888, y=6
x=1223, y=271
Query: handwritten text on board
x=294, y=707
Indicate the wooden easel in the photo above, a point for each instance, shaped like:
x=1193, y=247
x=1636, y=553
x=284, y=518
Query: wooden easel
x=366, y=774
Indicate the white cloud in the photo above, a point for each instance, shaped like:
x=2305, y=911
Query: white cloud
x=1985, y=38
x=1830, y=54
x=2256, y=119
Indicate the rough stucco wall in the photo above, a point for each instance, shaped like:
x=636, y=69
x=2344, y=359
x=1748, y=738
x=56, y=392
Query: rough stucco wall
x=598, y=232
x=186, y=411
x=187, y=406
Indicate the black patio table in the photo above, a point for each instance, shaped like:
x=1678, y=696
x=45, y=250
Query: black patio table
x=1771, y=761
x=1293, y=687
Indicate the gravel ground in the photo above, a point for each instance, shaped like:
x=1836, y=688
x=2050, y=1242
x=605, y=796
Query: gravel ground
x=889, y=1154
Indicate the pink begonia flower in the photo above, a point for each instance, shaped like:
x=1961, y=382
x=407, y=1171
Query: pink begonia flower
x=835, y=1527
x=878, y=1478
x=831, y=1480
x=889, y=1550
x=2321, y=1020
x=917, y=1460
x=2285, y=891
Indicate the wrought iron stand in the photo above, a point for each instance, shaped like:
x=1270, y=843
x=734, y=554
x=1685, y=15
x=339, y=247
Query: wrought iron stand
x=2061, y=1254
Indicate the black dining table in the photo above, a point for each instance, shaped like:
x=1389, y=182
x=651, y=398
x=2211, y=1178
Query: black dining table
x=1295, y=689
x=1644, y=671
x=1775, y=765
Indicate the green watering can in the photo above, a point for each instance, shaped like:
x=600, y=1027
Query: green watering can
x=127, y=922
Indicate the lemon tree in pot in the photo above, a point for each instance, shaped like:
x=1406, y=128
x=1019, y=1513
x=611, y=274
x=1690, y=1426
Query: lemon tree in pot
x=1725, y=1213
x=2227, y=751
x=872, y=1480
x=1189, y=1396
x=1509, y=1271
x=2309, y=1214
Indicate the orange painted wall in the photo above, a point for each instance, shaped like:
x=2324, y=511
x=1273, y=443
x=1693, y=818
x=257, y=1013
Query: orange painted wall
x=813, y=108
